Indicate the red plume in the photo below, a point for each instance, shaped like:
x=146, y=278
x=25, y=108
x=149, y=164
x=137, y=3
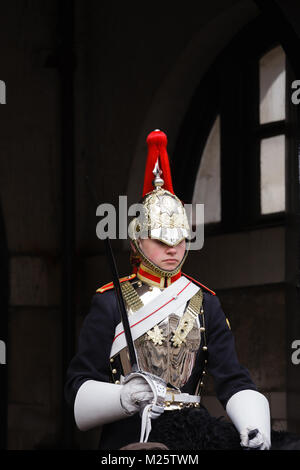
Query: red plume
x=157, y=149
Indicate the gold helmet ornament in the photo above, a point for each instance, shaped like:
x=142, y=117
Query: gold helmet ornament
x=162, y=215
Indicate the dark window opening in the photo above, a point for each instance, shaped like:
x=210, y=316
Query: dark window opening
x=230, y=153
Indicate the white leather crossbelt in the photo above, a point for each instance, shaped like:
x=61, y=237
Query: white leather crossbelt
x=170, y=300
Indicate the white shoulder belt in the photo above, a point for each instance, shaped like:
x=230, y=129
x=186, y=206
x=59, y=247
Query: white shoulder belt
x=170, y=300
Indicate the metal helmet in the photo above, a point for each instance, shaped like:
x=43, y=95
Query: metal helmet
x=162, y=214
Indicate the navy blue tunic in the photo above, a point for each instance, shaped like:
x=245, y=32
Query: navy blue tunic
x=92, y=361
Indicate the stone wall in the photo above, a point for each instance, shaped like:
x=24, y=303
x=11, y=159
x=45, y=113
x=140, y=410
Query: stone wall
x=134, y=72
x=30, y=196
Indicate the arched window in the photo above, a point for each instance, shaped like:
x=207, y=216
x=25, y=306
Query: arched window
x=272, y=115
x=233, y=136
x=207, y=188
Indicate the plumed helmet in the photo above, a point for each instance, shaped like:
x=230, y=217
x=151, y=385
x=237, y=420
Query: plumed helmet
x=162, y=214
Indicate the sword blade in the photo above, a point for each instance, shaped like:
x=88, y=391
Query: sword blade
x=121, y=305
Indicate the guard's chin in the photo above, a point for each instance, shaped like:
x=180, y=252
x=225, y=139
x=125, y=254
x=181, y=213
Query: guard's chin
x=169, y=266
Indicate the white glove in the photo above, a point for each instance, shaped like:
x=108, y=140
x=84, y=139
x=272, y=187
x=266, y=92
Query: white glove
x=259, y=441
x=249, y=410
x=97, y=403
x=145, y=393
x=135, y=395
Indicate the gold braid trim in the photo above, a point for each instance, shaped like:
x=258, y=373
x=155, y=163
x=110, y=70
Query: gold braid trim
x=187, y=320
x=131, y=297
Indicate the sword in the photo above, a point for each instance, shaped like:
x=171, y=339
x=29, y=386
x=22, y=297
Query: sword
x=121, y=305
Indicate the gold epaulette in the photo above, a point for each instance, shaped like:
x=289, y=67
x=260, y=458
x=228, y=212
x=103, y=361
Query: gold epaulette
x=110, y=285
x=199, y=283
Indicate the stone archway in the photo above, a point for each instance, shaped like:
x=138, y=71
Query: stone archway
x=168, y=110
x=172, y=99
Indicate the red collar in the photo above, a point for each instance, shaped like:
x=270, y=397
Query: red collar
x=152, y=278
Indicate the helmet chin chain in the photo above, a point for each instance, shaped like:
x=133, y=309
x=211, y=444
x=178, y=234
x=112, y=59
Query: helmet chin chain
x=154, y=267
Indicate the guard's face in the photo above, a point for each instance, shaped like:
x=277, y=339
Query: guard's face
x=165, y=256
